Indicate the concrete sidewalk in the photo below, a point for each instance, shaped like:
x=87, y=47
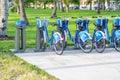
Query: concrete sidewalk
x=76, y=65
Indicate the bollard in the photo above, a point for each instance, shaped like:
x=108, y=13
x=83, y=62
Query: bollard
x=20, y=38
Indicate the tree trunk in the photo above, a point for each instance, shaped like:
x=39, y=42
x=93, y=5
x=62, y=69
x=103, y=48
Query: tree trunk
x=3, y=17
x=22, y=11
x=35, y=6
x=54, y=9
x=67, y=8
x=108, y=6
x=18, y=9
x=90, y=6
x=104, y=6
x=98, y=8
x=44, y=4
x=79, y=5
x=62, y=8
x=58, y=2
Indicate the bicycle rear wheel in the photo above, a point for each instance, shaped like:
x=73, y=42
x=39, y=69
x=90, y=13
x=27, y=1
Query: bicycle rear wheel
x=117, y=44
x=87, y=46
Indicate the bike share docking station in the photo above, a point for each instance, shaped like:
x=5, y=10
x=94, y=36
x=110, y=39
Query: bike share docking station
x=20, y=38
x=58, y=39
x=55, y=40
x=40, y=34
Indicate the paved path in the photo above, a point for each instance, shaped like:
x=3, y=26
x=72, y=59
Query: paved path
x=76, y=65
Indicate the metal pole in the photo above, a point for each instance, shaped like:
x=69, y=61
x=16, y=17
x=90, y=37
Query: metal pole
x=21, y=38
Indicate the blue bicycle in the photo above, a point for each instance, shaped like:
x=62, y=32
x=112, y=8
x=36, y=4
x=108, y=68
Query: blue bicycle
x=62, y=27
x=99, y=36
x=115, y=38
x=82, y=37
x=56, y=39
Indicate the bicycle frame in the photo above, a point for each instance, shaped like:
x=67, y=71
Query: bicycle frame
x=56, y=35
x=105, y=28
x=113, y=34
x=64, y=25
x=102, y=32
x=82, y=34
x=115, y=31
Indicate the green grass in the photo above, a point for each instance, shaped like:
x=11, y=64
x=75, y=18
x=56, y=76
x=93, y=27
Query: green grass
x=14, y=68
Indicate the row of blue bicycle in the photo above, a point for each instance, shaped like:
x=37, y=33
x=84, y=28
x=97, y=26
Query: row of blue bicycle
x=82, y=38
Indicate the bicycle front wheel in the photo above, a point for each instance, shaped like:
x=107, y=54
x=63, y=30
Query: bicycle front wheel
x=86, y=46
x=117, y=44
x=100, y=45
x=58, y=47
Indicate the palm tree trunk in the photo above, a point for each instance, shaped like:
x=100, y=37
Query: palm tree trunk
x=3, y=17
x=18, y=9
x=90, y=6
x=108, y=5
x=98, y=8
x=22, y=11
x=54, y=9
x=66, y=2
x=44, y=4
x=67, y=8
x=35, y=6
x=62, y=8
x=104, y=6
x=79, y=4
x=58, y=3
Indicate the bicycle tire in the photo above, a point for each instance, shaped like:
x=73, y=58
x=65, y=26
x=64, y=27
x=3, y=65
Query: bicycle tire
x=87, y=46
x=99, y=44
x=58, y=47
x=117, y=44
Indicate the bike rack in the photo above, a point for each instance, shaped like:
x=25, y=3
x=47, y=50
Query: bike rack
x=39, y=23
x=20, y=38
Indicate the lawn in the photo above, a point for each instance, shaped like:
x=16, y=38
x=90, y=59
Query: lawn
x=14, y=68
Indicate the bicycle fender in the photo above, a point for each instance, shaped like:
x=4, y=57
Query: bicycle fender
x=57, y=36
x=117, y=34
x=99, y=35
x=84, y=35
